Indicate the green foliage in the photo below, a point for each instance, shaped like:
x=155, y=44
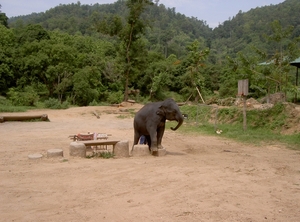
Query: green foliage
x=231, y=114
x=94, y=103
x=3, y=18
x=193, y=79
x=174, y=95
x=24, y=97
x=191, y=111
x=273, y=118
x=104, y=155
x=7, y=106
x=115, y=97
x=131, y=45
x=85, y=85
x=7, y=77
x=270, y=119
x=144, y=45
x=52, y=103
x=33, y=33
x=264, y=126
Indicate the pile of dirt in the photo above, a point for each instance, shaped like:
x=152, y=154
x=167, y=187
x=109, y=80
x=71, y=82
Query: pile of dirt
x=292, y=125
x=291, y=111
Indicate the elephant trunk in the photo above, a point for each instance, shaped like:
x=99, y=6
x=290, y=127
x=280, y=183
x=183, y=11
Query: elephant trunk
x=180, y=121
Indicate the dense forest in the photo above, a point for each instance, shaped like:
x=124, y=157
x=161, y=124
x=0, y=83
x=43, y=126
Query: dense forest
x=86, y=54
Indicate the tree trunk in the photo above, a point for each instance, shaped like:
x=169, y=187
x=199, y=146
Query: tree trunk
x=126, y=86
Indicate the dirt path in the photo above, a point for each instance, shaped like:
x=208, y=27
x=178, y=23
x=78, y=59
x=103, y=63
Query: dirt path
x=201, y=178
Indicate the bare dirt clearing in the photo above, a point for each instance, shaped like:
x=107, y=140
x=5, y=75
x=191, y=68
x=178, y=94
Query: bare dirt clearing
x=202, y=178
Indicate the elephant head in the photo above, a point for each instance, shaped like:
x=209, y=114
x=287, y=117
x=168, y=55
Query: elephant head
x=170, y=111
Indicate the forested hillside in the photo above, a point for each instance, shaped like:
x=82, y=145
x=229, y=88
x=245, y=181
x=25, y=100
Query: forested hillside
x=168, y=30
x=83, y=54
x=248, y=28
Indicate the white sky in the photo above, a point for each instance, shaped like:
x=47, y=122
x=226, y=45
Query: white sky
x=214, y=12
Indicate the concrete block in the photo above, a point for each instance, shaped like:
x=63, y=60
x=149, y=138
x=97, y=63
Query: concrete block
x=54, y=153
x=77, y=149
x=160, y=152
x=122, y=149
x=140, y=150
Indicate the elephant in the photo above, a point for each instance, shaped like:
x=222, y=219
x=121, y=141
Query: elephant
x=150, y=121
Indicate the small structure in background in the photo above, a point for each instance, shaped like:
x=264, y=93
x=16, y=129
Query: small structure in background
x=297, y=64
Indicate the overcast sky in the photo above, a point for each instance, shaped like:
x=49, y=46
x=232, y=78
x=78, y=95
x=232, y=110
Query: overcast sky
x=214, y=12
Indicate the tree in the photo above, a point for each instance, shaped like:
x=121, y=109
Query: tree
x=7, y=77
x=3, y=18
x=130, y=37
x=193, y=78
x=85, y=86
x=33, y=33
x=272, y=75
x=131, y=48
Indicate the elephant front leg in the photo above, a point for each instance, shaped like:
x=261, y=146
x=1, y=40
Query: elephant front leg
x=160, y=133
x=153, y=145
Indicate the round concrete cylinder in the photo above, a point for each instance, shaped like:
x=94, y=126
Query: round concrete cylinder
x=54, y=153
x=122, y=149
x=77, y=149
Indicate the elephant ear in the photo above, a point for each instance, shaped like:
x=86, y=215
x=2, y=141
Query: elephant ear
x=161, y=111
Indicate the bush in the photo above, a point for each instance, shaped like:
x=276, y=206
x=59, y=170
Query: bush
x=55, y=104
x=93, y=103
x=115, y=97
x=26, y=97
x=176, y=96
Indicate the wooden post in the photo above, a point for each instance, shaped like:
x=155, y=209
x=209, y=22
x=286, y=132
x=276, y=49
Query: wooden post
x=200, y=95
x=244, y=113
x=295, y=99
x=243, y=86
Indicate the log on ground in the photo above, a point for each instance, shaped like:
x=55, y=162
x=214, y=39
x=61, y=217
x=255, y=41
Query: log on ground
x=43, y=117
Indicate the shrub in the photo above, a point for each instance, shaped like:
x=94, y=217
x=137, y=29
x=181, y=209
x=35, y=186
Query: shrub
x=55, y=104
x=26, y=97
x=93, y=103
x=104, y=155
x=115, y=97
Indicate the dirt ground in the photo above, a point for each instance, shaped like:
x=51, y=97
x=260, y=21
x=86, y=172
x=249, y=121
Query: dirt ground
x=202, y=178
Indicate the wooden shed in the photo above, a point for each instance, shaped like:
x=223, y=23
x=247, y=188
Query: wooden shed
x=297, y=64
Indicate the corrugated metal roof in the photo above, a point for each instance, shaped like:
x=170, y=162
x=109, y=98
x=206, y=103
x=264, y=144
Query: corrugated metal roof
x=296, y=62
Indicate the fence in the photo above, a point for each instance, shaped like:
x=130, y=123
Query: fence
x=207, y=115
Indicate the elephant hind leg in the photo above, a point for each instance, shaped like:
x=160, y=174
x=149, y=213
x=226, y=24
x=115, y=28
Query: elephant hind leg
x=148, y=138
x=135, y=140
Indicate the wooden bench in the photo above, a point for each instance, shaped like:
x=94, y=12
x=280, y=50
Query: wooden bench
x=89, y=136
x=99, y=143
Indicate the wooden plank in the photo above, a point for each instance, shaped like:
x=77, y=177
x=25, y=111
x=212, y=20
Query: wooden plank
x=99, y=142
x=243, y=87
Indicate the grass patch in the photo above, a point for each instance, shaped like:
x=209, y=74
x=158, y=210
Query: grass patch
x=250, y=136
x=7, y=106
x=263, y=126
x=11, y=109
x=124, y=116
x=104, y=155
